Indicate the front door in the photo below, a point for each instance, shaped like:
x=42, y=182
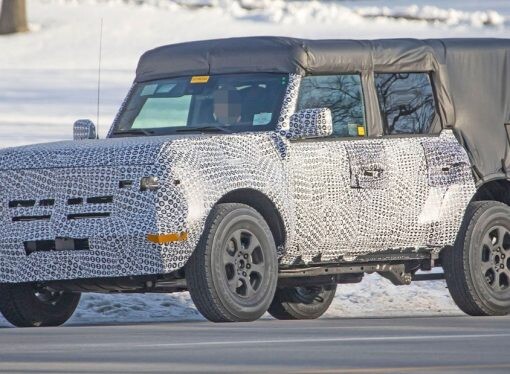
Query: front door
x=337, y=183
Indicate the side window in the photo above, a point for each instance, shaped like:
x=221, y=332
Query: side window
x=406, y=101
x=342, y=94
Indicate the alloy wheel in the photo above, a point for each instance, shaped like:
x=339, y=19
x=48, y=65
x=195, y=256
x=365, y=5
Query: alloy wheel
x=495, y=258
x=244, y=263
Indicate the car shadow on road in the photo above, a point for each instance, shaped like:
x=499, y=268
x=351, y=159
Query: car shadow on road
x=265, y=320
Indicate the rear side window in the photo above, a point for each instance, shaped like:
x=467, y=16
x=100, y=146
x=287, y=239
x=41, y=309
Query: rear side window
x=406, y=101
x=342, y=94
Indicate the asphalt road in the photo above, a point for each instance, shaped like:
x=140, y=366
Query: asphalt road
x=352, y=345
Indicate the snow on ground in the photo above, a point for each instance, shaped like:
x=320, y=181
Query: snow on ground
x=373, y=297
x=48, y=79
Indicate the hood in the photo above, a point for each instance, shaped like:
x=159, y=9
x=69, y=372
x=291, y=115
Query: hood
x=85, y=153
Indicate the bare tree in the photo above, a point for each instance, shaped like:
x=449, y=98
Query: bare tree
x=342, y=94
x=407, y=102
x=13, y=17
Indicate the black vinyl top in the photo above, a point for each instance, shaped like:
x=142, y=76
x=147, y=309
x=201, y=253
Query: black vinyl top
x=282, y=55
x=471, y=76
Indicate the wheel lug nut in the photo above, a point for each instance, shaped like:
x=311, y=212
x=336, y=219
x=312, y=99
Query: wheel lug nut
x=245, y=256
x=248, y=266
x=244, y=274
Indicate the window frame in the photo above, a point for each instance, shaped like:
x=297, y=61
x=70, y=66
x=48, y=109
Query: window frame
x=364, y=103
x=437, y=122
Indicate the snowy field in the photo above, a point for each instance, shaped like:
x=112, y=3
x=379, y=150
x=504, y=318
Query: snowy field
x=48, y=79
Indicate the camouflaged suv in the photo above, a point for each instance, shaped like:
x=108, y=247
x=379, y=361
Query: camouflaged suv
x=259, y=173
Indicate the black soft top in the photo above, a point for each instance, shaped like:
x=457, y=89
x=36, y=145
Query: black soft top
x=284, y=55
x=471, y=76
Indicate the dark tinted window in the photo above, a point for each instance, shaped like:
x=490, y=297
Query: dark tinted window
x=406, y=101
x=340, y=93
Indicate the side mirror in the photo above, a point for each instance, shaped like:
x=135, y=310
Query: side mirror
x=84, y=129
x=310, y=123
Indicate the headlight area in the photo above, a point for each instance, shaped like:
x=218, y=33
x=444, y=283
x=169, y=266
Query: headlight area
x=149, y=183
x=166, y=208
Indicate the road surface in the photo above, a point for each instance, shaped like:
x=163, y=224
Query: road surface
x=352, y=345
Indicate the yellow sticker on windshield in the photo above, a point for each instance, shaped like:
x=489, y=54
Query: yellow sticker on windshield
x=200, y=79
x=361, y=130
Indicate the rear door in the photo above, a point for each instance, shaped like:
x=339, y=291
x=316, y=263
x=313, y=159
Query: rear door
x=426, y=166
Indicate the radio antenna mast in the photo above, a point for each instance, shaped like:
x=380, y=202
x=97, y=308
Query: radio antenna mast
x=99, y=77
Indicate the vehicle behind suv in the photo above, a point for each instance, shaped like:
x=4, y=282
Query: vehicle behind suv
x=259, y=173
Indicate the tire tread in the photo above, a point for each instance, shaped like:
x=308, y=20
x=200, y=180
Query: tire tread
x=198, y=272
x=20, y=307
x=283, y=308
x=456, y=264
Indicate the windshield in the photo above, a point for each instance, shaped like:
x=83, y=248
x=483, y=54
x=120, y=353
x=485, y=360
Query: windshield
x=221, y=103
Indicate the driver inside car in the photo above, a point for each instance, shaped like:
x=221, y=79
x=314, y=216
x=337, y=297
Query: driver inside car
x=227, y=106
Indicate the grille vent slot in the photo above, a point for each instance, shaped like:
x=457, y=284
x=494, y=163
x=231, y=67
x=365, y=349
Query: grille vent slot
x=47, y=202
x=59, y=244
x=21, y=203
x=107, y=199
x=30, y=203
x=75, y=201
x=87, y=215
x=100, y=200
x=125, y=184
x=30, y=218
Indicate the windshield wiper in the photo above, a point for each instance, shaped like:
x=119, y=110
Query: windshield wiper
x=205, y=129
x=134, y=132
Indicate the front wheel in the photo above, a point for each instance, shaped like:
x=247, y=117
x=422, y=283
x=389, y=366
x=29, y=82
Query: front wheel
x=302, y=302
x=477, y=268
x=232, y=273
x=29, y=305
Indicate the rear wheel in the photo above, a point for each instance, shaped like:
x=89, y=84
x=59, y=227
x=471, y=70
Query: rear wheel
x=477, y=268
x=232, y=273
x=302, y=302
x=29, y=305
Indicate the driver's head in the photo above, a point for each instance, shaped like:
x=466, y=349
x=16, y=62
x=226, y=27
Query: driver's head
x=227, y=106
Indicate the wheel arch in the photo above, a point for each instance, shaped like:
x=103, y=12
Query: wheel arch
x=495, y=190
x=262, y=204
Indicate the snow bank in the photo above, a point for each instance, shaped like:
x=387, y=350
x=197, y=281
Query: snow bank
x=301, y=12
x=435, y=14
x=373, y=297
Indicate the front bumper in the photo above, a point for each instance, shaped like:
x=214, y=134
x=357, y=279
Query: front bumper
x=88, y=205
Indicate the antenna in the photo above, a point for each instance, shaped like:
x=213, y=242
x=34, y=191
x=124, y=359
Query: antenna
x=99, y=77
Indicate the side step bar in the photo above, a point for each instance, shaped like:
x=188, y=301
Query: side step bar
x=396, y=273
x=428, y=277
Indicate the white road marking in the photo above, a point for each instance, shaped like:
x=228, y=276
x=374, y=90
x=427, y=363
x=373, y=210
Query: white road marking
x=323, y=340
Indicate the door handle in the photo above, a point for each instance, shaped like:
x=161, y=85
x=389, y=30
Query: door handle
x=376, y=173
x=447, y=168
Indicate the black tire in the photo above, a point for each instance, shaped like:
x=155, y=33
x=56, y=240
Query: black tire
x=302, y=302
x=26, y=305
x=232, y=273
x=477, y=268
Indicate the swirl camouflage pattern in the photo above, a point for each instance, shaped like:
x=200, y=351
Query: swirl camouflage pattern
x=332, y=207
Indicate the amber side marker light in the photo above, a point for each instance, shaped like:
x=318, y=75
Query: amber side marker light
x=168, y=238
